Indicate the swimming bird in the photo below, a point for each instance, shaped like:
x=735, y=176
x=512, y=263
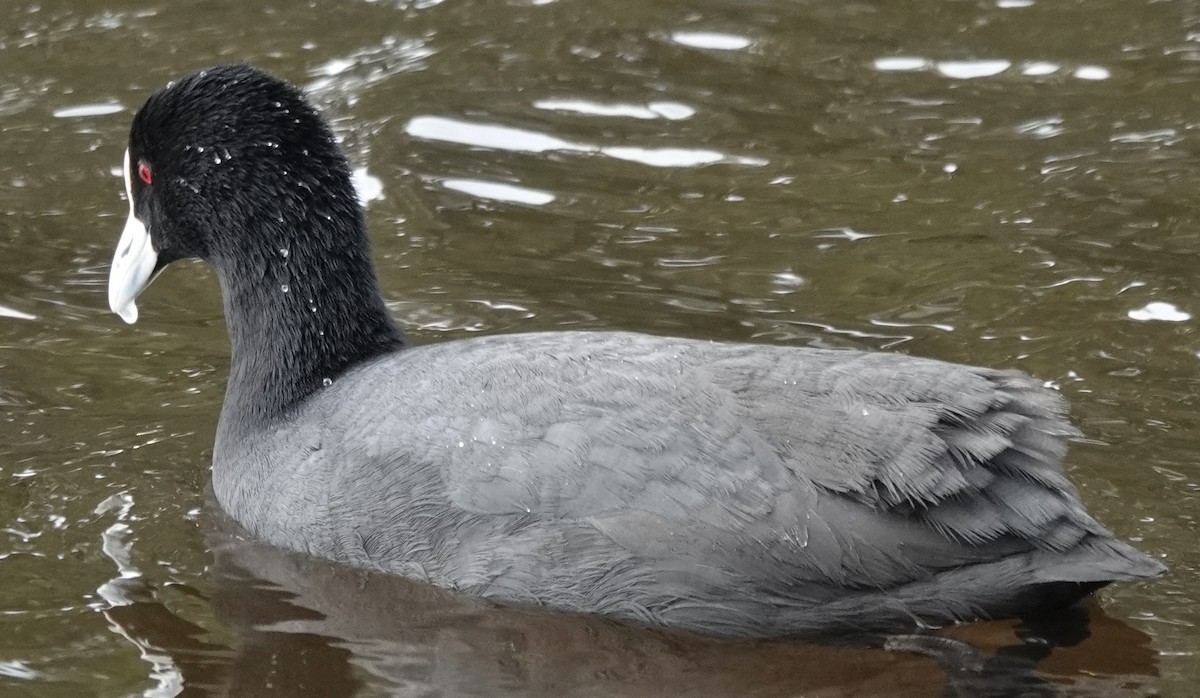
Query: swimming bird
x=728, y=488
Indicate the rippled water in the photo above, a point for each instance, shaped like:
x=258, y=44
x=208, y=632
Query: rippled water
x=1006, y=183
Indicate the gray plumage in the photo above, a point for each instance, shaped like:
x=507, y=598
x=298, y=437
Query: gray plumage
x=729, y=488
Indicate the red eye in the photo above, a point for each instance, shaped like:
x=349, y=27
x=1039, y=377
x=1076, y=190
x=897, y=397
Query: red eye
x=144, y=173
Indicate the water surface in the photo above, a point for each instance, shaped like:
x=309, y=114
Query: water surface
x=1003, y=183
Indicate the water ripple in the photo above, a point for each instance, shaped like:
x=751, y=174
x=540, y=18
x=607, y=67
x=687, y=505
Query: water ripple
x=5, y=311
x=437, y=128
x=983, y=68
x=102, y=109
x=367, y=186
x=499, y=192
x=672, y=111
x=1160, y=311
x=716, y=41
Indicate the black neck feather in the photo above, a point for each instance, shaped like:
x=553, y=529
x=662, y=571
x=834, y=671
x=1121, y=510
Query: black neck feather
x=299, y=315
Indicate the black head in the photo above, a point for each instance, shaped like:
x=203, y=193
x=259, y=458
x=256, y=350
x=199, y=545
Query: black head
x=224, y=162
x=232, y=166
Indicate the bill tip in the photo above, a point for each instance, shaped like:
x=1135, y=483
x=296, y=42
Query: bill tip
x=129, y=313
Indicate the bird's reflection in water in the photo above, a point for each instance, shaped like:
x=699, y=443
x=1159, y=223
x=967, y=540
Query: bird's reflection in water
x=306, y=627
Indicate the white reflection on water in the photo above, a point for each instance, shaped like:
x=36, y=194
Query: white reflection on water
x=118, y=546
x=654, y=110
x=333, y=67
x=902, y=63
x=959, y=70
x=787, y=282
x=711, y=40
x=1158, y=310
x=5, y=311
x=944, y=327
x=366, y=185
x=846, y=234
x=665, y=157
x=88, y=110
x=1039, y=68
x=437, y=128
x=350, y=76
x=499, y=192
x=1092, y=72
x=1048, y=127
x=16, y=669
x=966, y=70
x=127, y=589
x=1165, y=136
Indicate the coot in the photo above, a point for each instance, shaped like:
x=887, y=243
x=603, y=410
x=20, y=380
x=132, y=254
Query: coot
x=735, y=489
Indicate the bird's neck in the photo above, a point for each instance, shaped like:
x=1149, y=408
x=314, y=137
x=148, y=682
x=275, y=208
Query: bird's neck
x=299, y=315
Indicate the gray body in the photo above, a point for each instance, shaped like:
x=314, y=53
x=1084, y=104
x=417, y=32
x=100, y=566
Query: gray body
x=729, y=488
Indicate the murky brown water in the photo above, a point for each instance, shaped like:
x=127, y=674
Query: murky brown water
x=1007, y=183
